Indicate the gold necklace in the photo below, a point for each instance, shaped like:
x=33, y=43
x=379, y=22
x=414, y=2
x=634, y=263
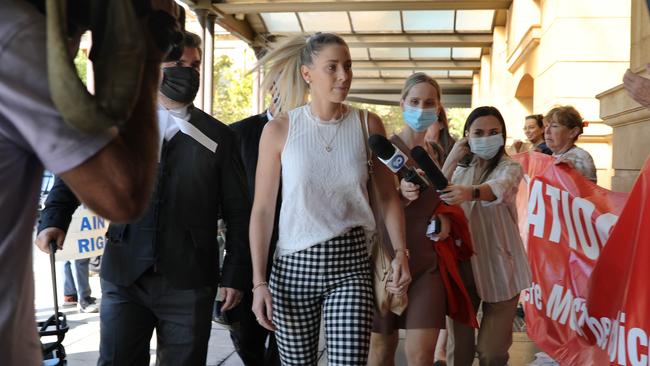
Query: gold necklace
x=328, y=144
x=339, y=122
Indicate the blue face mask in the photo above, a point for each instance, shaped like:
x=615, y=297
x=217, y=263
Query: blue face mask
x=419, y=119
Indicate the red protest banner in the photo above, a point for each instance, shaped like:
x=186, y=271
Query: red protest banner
x=565, y=221
x=619, y=291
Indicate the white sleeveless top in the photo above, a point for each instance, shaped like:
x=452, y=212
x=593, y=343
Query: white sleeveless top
x=324, y=193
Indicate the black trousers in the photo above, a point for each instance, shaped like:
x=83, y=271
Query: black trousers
x=249, y=338
x=182, y=319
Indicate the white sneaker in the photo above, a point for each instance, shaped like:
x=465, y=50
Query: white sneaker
x=87, y=305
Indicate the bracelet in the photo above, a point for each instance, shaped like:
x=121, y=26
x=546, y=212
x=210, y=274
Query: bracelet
x=407, y=253
x=263, y=283
x=476, y=193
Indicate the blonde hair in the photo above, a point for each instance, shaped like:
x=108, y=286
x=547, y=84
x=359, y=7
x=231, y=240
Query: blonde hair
x=282, y=68
x=444, y=138
x=417, y=78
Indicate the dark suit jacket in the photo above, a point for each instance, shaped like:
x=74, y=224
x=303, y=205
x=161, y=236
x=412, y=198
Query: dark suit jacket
x=60, y=204
x=249, y=133
x=177, y=235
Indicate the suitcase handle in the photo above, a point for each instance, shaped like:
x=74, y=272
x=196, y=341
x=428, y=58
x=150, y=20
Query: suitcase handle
x=53, y=248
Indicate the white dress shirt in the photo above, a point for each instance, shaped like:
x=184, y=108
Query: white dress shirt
x=172, y=121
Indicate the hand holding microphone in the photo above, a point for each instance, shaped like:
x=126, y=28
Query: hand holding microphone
x=395, y=160
x=409, y=190
x=456, y=194
x=451, y=194
x=430, y=169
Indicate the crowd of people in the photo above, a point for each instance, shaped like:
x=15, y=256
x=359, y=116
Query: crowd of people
x=291, y=185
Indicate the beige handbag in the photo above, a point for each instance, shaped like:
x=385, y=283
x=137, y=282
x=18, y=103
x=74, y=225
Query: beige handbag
x=378, y=240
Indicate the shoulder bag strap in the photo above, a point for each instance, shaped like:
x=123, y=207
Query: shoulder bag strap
x=363, y=118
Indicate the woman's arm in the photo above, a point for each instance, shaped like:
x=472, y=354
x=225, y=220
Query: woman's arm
x=393, y=212
x=267, y=183
x=460, y=149
x=456, y=194
x=502, y=185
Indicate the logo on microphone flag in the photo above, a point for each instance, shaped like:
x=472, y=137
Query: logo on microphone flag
x=397, y=162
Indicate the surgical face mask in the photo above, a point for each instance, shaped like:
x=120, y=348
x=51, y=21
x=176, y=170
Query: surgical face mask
x=486, y=147
x=419, y=119
x=180, y=84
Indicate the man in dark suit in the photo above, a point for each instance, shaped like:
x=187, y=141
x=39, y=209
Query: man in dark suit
x=249, y=337
x=161, y=272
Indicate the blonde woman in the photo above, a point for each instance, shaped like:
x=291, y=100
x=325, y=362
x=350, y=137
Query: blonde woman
x=425, y=314
x=321, y=267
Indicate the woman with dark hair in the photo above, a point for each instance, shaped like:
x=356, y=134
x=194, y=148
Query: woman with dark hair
x=321, y=268
x=485, y=183
x=534, y=130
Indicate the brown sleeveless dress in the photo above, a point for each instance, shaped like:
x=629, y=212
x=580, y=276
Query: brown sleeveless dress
x=426, y=293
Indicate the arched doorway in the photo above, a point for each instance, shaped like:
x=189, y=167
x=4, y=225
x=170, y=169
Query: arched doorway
x=525, y=92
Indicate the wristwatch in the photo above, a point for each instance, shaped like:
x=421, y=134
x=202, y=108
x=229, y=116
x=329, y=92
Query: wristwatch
x=476, y=193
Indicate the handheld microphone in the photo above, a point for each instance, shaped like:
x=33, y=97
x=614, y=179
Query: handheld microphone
x=395, y=160
x=429, y=167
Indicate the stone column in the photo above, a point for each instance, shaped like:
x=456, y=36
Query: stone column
x=629, y=120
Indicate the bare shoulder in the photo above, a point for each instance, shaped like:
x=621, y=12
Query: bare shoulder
x=275, y=132
x=375, y=125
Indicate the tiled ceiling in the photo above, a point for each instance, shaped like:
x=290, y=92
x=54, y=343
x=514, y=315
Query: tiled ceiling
x=416, y=21
x=388, y=40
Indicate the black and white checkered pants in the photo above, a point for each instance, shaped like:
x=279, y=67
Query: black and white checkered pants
x=333, y=279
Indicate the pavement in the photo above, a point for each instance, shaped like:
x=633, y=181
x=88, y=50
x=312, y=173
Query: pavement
x=82, y=340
